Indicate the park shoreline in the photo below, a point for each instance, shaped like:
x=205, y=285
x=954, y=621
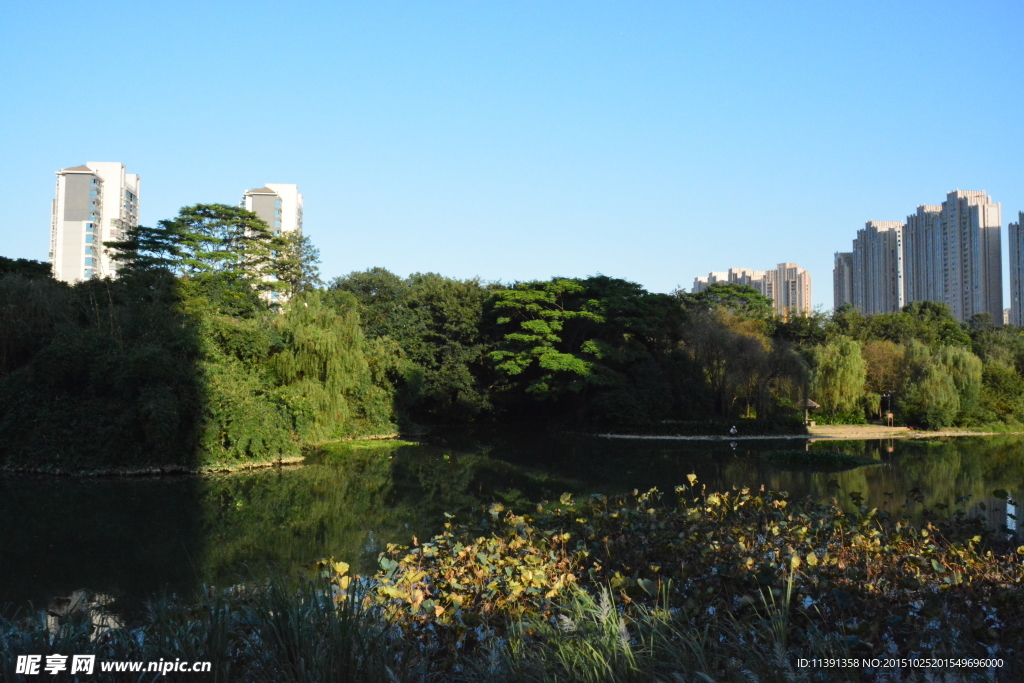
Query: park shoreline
x=209, y=469
x=824, y=433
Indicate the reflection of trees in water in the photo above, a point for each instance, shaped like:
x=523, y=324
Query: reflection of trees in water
x=132, y=538
x=937, y=475
x=348, y=505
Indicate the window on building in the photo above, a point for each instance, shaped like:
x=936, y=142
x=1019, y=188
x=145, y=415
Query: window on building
x=89, y=239
x=277, y=203
x=90, y=261
x=277, y=224
x=273, y=295
x=277, y=213
x=92, y=193
x=88, y=272
x=89, y=227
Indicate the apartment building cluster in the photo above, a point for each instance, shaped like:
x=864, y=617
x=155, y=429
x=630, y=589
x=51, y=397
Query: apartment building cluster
x=949, y=252
x=98, y=202
x=787, y=285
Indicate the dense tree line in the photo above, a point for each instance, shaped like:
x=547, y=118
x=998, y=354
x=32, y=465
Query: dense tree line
x=186, y=358
x=218, y=342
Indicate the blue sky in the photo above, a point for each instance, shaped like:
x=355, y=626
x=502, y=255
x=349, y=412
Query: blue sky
x=652, y=141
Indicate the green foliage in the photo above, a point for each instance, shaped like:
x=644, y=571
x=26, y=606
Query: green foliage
x=534, y=315
x=24, y=267
x=322, y=372
x=295, y=263
x=442, y=371
x=965, y=370
x=839, y=375
x=927, y=322
x=215, y=239
x=103, y=374
x=740, y=300
x=154, y=371
x=930, y=396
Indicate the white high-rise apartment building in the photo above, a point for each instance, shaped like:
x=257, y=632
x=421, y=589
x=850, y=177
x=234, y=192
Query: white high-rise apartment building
x=787, y=285
x=950, y=254
x=95, y=203
x=972, y=264
x=789, y=288
x=878, y=268
x=1016, y=233
x=954, y=255
x=280, y=206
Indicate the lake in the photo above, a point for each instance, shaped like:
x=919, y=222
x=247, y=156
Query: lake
x=131, y=538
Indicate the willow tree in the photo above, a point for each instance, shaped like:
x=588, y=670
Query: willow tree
x=322, y=370
x=839, y=374
x=965, y=370
x=929, y=394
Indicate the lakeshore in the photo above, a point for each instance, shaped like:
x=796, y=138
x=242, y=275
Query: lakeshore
x=825, y=432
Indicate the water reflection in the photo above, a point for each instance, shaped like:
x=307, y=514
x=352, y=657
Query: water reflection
x=133, y=538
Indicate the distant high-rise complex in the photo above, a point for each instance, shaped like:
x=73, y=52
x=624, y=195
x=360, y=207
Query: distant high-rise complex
x=878, y=267
x=1016, y=234
x=842, y=279
x=280, y=206
x=949, y=253
x=95, y=203
x=736, y=276
x=789, y=288
x=788, y=285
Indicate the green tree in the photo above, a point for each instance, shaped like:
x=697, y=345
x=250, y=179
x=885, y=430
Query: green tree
x=296, y=263
x=205, y=239
x=929, y=395
x=24, y=267
x=884, y=360
x=437, y=323
x=838, y=377
x=741, y=300
x=532, y=316
x=322, y=371
x=965, y=370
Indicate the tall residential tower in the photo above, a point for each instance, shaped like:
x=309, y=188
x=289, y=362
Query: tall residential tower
x=95, y=203
x=1016, y=235
x=949, y=253
x=842, y=279
x=280, y=206
x=878, y=267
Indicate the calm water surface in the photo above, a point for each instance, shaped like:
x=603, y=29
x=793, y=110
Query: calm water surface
x=131, y=538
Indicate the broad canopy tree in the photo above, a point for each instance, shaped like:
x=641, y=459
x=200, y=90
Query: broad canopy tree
x=225, y=243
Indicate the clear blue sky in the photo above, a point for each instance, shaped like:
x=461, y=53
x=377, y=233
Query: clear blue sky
x=652, y=141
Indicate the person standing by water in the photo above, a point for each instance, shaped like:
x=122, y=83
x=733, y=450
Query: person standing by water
x=733, y=431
